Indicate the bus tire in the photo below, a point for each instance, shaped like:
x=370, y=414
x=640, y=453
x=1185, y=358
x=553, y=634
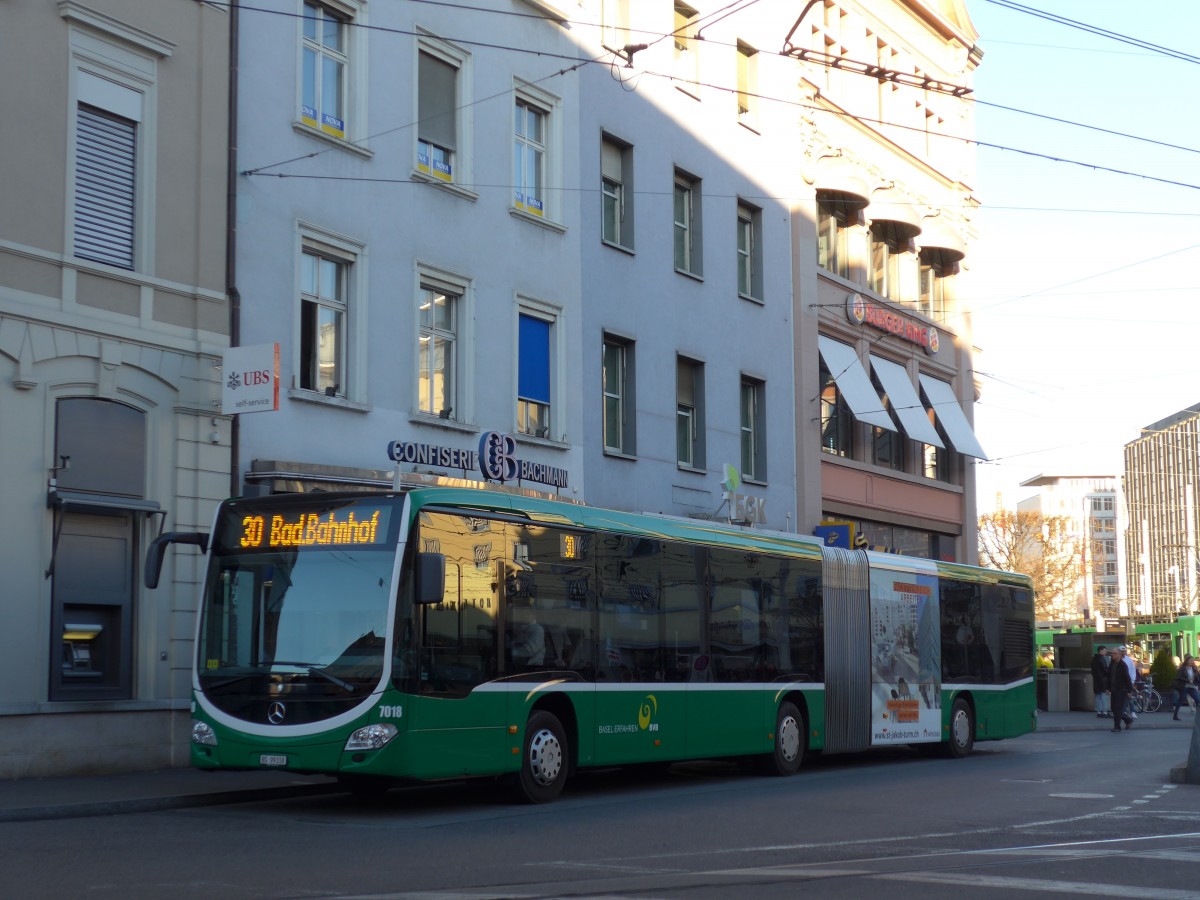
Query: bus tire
x=962, y=730
x=544, y=759
x=790, y=730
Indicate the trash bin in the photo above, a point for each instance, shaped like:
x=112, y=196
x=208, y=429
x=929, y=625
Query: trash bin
x=1081, y=690
x=1058, y=690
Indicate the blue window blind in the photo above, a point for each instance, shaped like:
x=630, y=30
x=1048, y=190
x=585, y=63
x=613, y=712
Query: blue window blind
x=533, y=367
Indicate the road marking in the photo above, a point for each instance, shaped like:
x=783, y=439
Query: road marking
x=1040, y=884
x=1084, y=796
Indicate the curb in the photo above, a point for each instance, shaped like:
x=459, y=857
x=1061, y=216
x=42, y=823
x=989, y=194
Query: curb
x=158, y=804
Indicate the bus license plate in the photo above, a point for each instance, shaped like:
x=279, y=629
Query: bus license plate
x=269, y=760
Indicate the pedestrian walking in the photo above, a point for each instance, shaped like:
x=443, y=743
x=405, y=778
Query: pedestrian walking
x=1121, y=685
x=1186, y=685
x=1100, y=665
x=1135, y=675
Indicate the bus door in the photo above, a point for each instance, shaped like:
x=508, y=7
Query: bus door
x=548, y=618
x=458, y=713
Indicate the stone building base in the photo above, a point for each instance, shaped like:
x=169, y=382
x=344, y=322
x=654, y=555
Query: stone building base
x=89, y=742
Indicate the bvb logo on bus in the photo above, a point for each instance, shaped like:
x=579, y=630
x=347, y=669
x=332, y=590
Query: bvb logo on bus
x=646, y=713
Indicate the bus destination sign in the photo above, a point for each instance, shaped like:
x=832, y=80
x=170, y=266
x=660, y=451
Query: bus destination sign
x=352, y=527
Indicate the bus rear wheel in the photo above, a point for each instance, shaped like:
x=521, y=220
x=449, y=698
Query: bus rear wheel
x=962, y=730
x=544, y=759
x=788, y=754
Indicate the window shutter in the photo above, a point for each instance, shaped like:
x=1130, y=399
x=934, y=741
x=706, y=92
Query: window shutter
x=436, y=101
x=105, y=180
x=533, y=367
x=610, y=161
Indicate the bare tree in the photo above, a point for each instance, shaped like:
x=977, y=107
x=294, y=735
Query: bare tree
x=1042, y=547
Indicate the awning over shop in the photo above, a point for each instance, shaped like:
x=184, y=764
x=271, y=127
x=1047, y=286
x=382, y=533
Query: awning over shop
x=905, y=402
x=946, y=407
x=854, y=383
x=78, y=501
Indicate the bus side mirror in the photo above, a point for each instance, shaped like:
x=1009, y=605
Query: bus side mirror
x=158, y=549
x=429, y=578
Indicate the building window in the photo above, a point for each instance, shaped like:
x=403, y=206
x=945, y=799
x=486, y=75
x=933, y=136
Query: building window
x=437, y=353
x=534, y=157
x=113, y=143
x=529, y=158
x=324, y=81
x=535, y=358
x=749, y=251
x=442, y=101
x=689, y=416
x=323, y=312
x=686, y=49
x=836, y=221
x=105, y=186
x=618, y=396
x=753, y=428
x=837, y=422
x=616, y=193
x=887, y=448
x=747, y=85
x=935, y=460
x=890, y=260
x=887, y=445
x=687, y=225
x=935, y=280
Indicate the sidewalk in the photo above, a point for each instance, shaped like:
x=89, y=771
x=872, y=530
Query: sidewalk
x=28, y=799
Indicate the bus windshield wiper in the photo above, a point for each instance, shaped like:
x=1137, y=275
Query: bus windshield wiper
x=319, y=672
x=226, y=682
x=344, y=685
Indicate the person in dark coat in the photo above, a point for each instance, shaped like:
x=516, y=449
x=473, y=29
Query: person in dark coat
x=1100, y=666
x=1121, y=685
x=1186, y=684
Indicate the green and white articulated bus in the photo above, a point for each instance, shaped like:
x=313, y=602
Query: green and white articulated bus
x=445, y=632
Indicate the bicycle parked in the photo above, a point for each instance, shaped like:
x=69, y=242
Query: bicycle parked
x=1145, y=698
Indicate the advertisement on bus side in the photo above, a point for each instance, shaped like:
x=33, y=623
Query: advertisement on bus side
x=906, y=665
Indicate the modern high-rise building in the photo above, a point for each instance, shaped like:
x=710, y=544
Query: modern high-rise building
x=1162, y=471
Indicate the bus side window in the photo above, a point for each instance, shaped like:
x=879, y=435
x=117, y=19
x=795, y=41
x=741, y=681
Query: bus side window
x=630, y=622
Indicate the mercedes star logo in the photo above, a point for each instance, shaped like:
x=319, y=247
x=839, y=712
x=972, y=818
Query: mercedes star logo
x=276, y=713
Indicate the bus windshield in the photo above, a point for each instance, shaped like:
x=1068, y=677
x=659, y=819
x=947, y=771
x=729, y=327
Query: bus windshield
x=297, y=595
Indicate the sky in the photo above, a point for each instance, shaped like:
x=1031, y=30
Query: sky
x=1083, y=280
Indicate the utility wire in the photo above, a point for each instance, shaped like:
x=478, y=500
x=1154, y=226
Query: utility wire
x=598, y=59
x=1096, y=30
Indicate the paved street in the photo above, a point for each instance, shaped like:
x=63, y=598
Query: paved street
x=1072, y=809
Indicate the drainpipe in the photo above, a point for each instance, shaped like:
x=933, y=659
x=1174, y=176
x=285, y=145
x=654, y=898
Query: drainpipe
x=231, y=290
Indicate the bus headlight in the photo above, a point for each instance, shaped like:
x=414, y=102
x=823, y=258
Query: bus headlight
x=202, y=733
x=372, y=737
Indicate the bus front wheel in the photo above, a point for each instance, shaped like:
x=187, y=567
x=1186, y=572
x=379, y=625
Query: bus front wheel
x=543, y=759
x=962, y=730
x=789, y=742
